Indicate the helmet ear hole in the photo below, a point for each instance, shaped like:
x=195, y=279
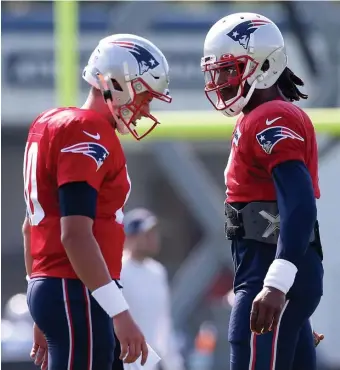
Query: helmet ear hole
x=265, y=66
x=116, y=85
x=107, y=93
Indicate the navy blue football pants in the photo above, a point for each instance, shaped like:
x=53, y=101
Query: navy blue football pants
x=291, y=346
x=79, y=333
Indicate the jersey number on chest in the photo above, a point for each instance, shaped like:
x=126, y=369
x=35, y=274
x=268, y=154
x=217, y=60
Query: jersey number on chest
x=34, y=208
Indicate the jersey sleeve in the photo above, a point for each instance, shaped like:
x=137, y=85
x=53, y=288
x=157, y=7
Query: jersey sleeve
x=82, y=153
x=277, y=140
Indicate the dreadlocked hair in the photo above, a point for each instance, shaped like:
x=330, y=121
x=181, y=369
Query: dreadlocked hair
x=288, y=83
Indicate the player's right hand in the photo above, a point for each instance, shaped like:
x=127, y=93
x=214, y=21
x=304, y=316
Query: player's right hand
x=266, y=310
x=132, y=341
x=39, y=352
x=317, y=338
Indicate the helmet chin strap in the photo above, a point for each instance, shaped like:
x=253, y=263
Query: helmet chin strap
x=121, y=127
x=237, y=107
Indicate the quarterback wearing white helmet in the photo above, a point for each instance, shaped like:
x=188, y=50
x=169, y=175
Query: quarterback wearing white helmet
x=123, y=67
x=76, y=184
x=272, y=183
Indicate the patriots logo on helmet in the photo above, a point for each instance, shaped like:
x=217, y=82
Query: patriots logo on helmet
x=93, y=150
x=269, y=137
x=143, y=57
x=242, y=31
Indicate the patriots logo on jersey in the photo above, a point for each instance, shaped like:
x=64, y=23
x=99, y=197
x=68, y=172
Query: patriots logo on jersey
x=93, y=150
x=143, y=57
x=269, y=137
x=241, y=33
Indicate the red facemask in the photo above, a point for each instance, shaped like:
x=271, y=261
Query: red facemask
x=225, y=79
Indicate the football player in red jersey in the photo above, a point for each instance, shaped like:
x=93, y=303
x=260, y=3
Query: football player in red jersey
x=76, y=184
x=272, y=186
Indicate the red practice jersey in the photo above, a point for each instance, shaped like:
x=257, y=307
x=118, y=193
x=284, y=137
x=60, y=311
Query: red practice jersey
x=71, y=145
x=274, y=132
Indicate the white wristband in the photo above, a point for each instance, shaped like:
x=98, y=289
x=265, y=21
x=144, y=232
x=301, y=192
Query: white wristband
x=27, y=278
x=111, y=299
x=280, y=275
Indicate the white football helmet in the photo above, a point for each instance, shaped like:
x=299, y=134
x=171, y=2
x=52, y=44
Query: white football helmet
x=238, y=49
x=123, y=66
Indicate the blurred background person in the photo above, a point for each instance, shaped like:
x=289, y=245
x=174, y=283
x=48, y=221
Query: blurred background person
x=146, y=288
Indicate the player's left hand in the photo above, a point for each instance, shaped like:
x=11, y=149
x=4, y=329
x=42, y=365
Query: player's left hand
x=39, y=353
x=266, y=310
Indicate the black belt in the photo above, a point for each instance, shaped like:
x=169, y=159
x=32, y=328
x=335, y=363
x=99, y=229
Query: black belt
x=257, y=221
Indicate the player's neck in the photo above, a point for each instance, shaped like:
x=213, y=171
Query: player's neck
x=260, y=97
x=96, y=103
